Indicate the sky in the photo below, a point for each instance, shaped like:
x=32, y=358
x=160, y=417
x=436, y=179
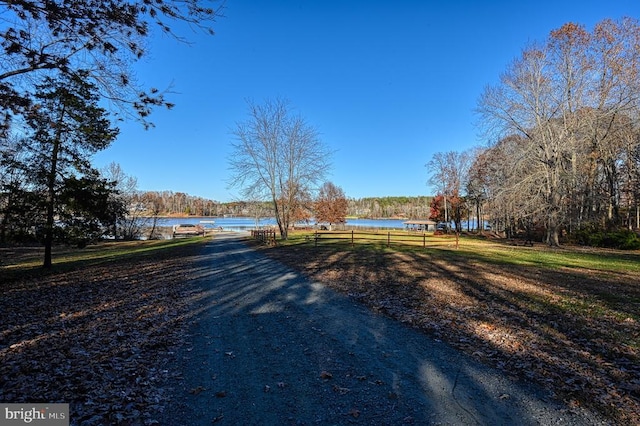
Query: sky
x=386, y=84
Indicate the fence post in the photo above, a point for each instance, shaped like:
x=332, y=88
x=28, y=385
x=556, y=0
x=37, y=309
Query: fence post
x=424, y=240
x=315, y=239
x=389, y=239
x=352, y=238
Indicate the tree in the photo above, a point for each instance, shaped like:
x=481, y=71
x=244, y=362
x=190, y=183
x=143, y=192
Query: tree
x=66, y=128
x=436, y=208
x=13, y=190
x=331, y=204
x=130, y=223
x=572, y=102
x=477, y=184
x=278, y=156
x=86, y=208
x=448, y=173
x=101, y=39
x=527, y=103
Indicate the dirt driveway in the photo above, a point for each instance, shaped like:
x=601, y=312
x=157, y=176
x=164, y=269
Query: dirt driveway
x=270, y=347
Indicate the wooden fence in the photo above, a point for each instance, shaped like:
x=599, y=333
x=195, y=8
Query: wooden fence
x=352, y=237
x=387, y=238
x=267, y=236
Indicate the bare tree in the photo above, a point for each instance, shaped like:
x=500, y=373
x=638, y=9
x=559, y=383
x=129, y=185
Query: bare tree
x=608, y=119
x=530, y=103
x=138, y=207
x=448, y=173
x=477, y=184
x=574, y=103
x=126, y=188
x=154, y=207
x=277, y=156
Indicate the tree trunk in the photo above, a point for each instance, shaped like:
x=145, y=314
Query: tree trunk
x=153, y=227
x=51, y=195
x=553, y=227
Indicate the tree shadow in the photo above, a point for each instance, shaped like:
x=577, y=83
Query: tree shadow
x=282, y=340
x=526, y=321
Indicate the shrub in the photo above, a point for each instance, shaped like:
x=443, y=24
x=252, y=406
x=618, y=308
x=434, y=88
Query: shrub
x=623, y=239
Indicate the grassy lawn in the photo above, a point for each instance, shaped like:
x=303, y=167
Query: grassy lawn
x=566, y=318
x=17, y=261
x=481, y=249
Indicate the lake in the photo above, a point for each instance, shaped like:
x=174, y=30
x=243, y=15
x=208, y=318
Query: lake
x=245, y=223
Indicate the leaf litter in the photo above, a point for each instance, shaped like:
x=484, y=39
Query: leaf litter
x=101, y=338
x=574, y=332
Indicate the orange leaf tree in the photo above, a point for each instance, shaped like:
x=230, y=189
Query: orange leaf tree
x=331, y=204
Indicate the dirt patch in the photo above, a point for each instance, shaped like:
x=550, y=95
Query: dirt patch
x=519, y=320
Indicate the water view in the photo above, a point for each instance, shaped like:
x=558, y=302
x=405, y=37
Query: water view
x=245, y=223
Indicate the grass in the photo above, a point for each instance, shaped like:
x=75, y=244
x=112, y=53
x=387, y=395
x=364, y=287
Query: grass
x=21, y=261
x=576, y=263
x=568, y=318
x=481, y=250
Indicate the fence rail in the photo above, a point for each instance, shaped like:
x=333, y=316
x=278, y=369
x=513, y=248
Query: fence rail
x=388, y=238
x=267, y=236
x=352, y=237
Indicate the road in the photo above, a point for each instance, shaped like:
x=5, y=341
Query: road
x=269, y=347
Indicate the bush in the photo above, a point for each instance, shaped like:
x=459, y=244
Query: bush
x=622, y=239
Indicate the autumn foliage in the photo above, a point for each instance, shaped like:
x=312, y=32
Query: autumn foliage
x=331, y=204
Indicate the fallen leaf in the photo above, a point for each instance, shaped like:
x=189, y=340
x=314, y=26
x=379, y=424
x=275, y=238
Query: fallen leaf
x=197, y=390
x=326, y=375
x=341, y=390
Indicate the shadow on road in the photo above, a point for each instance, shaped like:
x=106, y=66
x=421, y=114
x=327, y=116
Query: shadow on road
x=270, y=347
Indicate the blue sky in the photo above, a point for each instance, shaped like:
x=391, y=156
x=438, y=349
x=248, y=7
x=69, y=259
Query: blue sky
x=387, y=85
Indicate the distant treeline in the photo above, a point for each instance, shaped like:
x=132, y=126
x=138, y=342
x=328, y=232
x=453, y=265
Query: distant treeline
x=169, y=203
x=388, y=207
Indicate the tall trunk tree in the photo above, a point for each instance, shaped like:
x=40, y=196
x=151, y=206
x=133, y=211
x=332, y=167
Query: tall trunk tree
x=67, y=128
x=575, y=99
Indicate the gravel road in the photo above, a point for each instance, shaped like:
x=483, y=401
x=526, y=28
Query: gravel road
x=269, y=347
